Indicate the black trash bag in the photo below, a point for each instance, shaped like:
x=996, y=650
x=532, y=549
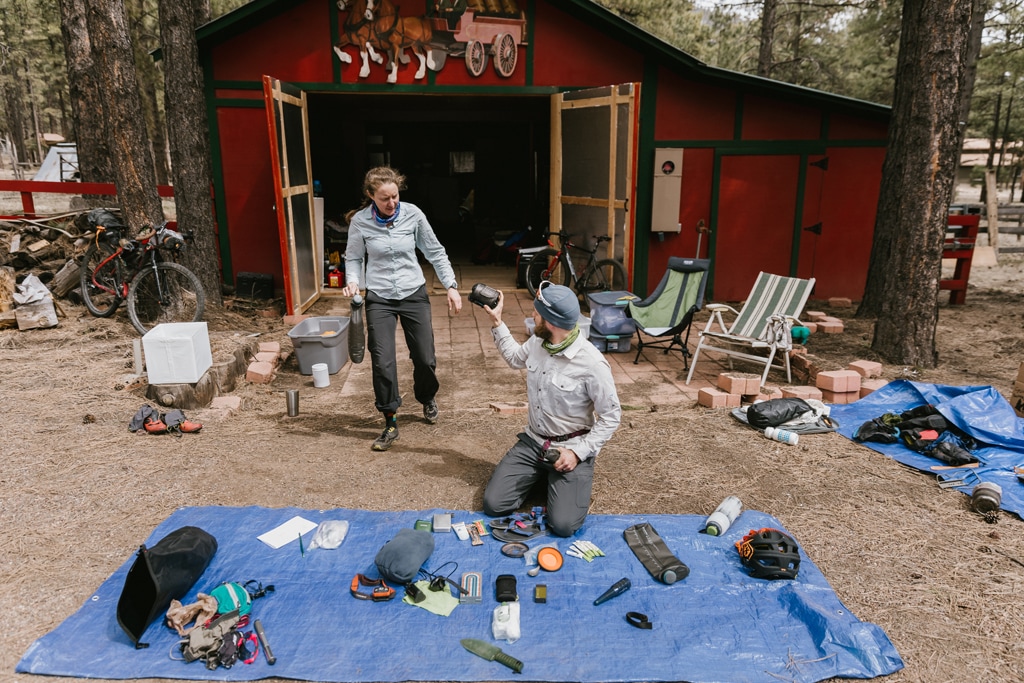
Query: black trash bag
x=401, y=558
x=160, y=574
x=876, y=430
x=776, y=411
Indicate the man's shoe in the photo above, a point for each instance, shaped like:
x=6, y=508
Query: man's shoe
x=387, y=437
x=430, y=412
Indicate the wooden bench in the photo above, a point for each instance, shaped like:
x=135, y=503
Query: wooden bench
x=960, y=246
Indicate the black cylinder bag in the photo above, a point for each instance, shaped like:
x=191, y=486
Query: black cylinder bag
x=160, y=574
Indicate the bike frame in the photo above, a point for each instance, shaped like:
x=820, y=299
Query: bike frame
x=149, y=251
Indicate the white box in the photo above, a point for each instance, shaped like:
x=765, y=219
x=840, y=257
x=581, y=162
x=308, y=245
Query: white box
x=177, y=353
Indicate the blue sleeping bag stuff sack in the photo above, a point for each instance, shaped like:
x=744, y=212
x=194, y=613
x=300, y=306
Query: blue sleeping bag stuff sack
x=400, y=559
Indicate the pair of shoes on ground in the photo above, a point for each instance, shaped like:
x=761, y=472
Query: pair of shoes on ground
x=157, y=426
x=390, y=433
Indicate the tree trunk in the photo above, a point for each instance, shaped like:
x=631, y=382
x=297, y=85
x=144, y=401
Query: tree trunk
x=115, y=69
x=13, y=97
x=919, y=170
x=190, y=146
x=90, y=130
x=970, y=73
x=764, y=54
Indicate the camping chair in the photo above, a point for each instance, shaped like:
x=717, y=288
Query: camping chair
x=668, y=311
x=763, y=324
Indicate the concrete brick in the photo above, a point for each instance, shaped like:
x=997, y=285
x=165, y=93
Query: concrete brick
x=831, y=380
x=739, y=383
x=797, y=350
x=517, y=408
x=866, y=368
x=813, y=327
x=295, y=319
x=869, y=385
x=840, y=302
x=229, y=403
x=268, y=357
x=715, y=398
x=830, y=328
x=259, y=372
x=803, y=392
x=814, y=316
x=270, y=347
x=839, y=398
x=766, y=394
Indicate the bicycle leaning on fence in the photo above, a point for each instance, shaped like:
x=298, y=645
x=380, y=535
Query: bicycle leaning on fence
x=556, y=265
x=117, y=268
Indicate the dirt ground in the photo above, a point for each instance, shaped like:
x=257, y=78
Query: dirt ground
x=80, y=492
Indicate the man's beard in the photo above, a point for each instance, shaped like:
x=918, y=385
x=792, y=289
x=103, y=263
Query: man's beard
x=542, y=330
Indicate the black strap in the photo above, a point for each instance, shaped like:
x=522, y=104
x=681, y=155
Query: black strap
x=652, y=552
x=565, y=437
x=639, y=620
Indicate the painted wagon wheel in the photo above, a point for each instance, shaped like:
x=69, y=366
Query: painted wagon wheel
x=505, y=54
x=476, y=57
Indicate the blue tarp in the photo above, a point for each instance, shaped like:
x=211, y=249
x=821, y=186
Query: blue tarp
x=981, y=411
x=716, y=625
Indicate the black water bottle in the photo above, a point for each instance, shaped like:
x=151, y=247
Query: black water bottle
x=356, y=330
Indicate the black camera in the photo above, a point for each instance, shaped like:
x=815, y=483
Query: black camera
x=483, y=295
x=551, y=455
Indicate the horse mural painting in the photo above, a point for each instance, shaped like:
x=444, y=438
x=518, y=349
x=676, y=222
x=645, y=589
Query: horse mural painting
x=357, y=30
x=394, y=33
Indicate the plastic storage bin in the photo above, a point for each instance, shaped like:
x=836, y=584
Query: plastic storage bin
x=608, y=313
x=177, y=353
x=320, y=340
x=611, y=343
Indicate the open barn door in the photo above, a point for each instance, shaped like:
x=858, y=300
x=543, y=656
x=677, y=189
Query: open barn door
x=593, y=166
x=288, y=126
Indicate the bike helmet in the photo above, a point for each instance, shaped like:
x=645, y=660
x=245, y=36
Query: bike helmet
x=769, y=554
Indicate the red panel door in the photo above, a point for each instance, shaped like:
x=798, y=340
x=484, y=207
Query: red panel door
x=755, y=219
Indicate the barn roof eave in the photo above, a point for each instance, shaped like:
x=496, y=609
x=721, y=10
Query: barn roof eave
x=257, y=11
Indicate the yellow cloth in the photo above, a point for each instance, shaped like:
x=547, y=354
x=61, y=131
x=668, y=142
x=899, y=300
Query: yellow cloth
x=438, y=602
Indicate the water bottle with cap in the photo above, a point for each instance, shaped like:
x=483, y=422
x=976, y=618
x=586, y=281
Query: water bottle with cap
x=724, y=515
x=782, y=435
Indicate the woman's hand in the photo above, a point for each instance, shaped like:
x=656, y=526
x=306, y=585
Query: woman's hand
x=454, y=301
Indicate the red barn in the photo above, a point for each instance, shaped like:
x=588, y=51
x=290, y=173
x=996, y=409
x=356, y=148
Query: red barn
x=554, y=114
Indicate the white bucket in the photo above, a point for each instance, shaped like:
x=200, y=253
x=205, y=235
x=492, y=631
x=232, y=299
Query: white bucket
x=321, y=378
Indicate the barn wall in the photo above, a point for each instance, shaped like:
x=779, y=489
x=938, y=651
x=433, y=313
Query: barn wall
x=743, y=152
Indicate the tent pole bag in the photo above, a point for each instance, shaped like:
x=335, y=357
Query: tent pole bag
x=160, y=574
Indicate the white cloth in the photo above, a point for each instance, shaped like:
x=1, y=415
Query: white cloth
x=567, y=391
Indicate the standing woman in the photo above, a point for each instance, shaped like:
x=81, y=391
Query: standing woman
x=382, y=240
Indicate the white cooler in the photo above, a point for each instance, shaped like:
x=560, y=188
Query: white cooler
x=177, y=353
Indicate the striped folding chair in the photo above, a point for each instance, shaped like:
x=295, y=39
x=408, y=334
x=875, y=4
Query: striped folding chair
x=761, y=332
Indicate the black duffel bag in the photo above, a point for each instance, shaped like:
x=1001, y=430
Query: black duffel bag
x=776, y=411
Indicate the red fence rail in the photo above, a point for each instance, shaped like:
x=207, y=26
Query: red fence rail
x=28, y=188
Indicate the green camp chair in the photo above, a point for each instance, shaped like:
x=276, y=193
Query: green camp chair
x=668, y=311
x=762, y=328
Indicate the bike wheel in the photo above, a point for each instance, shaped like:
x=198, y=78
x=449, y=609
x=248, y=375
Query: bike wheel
x=607, y=275
x=544, y=266
x=167, y=293
x=101, y=285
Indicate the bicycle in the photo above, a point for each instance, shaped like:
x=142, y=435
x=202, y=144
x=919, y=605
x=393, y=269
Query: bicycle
x=556, y=265
x=115, y=269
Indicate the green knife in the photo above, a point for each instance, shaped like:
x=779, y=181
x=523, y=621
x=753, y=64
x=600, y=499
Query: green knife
x=492, y=653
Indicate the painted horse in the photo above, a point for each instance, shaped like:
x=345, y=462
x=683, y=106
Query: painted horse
x=393, y=33
x=357, y=30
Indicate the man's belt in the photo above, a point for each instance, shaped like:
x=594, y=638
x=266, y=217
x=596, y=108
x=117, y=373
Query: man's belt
x=565, y=437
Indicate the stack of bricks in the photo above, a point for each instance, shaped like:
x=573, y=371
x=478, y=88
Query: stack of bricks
x=822, y=322
x=268, y=359
x=838, y=386
x=871, y=375
x=735, y=388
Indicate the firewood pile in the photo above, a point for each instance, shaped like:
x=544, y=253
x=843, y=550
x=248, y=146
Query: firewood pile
x=49, y=249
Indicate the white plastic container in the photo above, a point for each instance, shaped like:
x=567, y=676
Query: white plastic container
x=177, y=353
x=724, y=515
x=321, y=377
x=782, y=436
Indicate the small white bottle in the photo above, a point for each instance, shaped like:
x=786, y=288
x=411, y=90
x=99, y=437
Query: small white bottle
x=724, y=515
x=782, y=435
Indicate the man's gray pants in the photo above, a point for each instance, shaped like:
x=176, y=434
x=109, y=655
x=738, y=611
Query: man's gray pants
x=521, y=468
